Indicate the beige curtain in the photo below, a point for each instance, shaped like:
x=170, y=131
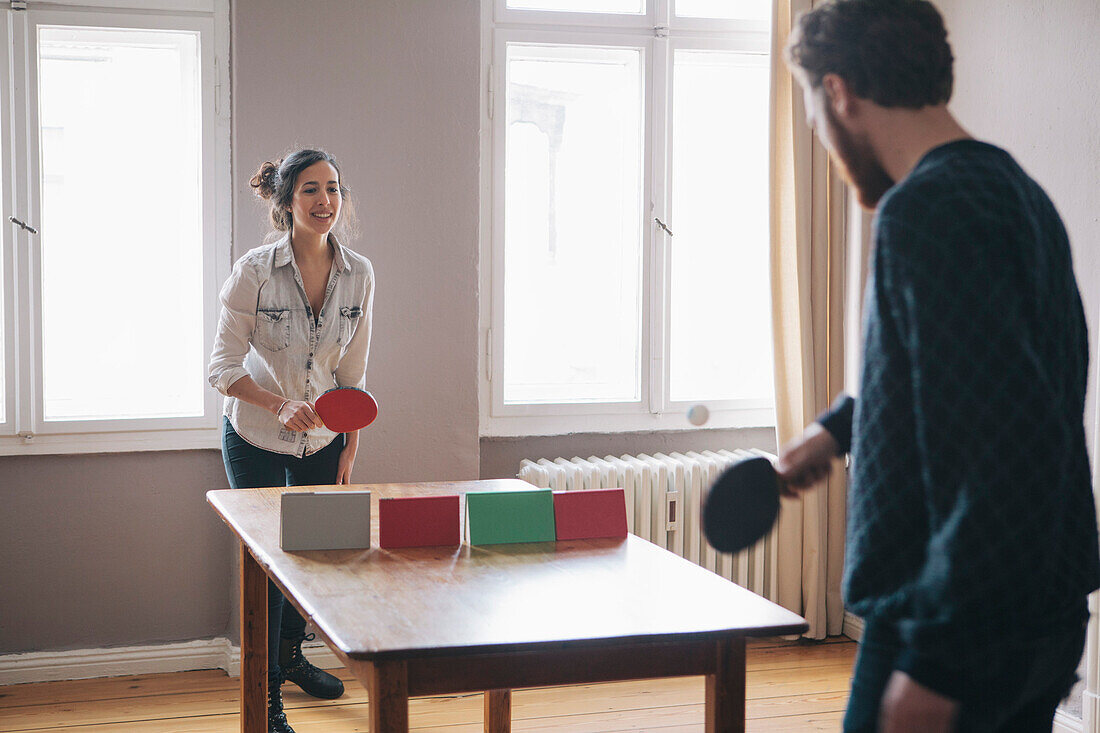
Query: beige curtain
x=808, y=262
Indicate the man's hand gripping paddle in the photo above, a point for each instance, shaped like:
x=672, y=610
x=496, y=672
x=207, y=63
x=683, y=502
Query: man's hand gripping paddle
x=346, y=409
x=742, y=505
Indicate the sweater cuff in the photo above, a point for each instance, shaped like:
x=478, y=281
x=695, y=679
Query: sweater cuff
x=838, y=421
x=941, y=678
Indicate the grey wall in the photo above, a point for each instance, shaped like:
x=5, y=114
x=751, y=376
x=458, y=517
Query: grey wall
x=121, y=549
x=100, y=550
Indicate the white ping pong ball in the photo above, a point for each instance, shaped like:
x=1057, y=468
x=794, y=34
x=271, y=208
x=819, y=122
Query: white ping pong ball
x=698, y=414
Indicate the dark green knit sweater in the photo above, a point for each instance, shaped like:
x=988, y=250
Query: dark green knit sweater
x=970, y=513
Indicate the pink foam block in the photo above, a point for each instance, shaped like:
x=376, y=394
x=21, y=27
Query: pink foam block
x=418, y=521
x=583, y=515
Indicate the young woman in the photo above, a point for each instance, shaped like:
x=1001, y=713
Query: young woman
x=295, y=322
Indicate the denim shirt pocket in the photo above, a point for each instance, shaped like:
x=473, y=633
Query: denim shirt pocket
x=349, y=320
x=272, y=330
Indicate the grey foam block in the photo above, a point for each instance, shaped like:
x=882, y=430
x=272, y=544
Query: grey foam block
x=325, y=520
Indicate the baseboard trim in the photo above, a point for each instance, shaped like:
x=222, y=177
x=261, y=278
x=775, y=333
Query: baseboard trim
x=1090, y=710
x=853, y=626
x=1067, y=723
x=80, y=664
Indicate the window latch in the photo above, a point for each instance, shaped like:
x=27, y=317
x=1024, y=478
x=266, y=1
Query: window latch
x=21, y=225
x=18, y=4
x=663, y=226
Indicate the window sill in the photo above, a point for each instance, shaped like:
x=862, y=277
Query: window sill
x=120, y=442
x=536, y=425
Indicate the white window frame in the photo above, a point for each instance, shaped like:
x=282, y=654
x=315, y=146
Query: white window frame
x=25, y=432
x=658, y=33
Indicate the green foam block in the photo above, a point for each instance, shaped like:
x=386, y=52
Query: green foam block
x=500, y=517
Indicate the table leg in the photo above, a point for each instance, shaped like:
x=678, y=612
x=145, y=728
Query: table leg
x=498, y=711
x=253, y=645
x=725, y=709
x=388, y=697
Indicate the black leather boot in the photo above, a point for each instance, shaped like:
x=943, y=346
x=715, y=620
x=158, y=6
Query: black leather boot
x=276, y=718
x=296, y=668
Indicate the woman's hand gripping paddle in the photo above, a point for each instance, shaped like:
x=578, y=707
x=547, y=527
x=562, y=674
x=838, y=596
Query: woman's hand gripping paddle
x=742, y=505
x=346, y=409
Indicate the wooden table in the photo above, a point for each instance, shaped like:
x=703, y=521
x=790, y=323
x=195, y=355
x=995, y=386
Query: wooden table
x=428, y=621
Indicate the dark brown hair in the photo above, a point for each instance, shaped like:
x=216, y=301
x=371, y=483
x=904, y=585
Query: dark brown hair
x=275, y=182
x=892, y=52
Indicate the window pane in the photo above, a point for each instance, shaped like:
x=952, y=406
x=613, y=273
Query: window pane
x=725, y=9
x=121, y=234
x=636, y=7
x=573, y=210
x=721, y=298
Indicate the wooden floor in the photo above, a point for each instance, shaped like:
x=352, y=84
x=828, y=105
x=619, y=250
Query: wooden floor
x=792, y=686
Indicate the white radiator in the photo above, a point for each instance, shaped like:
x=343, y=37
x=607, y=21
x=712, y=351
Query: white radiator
x=663, y=494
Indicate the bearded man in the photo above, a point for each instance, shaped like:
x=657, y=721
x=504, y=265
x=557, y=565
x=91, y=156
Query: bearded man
x=971, y=542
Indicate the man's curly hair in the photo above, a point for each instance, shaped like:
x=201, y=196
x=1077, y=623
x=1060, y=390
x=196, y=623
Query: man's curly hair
x=892, y=52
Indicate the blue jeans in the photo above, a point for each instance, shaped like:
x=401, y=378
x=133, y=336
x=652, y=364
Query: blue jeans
x=1021, y=683
x=249, y=467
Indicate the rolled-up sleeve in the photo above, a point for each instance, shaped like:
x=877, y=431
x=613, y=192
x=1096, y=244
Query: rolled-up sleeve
x=235, y=324
x=352, y=369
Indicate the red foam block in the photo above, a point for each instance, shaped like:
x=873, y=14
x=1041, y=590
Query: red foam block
x=584, y=515
x=418, y=521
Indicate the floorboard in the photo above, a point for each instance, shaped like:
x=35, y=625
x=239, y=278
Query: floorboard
x=792, y=686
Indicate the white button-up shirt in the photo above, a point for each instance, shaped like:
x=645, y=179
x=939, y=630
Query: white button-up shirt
x=267, y=331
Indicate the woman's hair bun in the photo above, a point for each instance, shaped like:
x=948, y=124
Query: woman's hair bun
x=266, y=180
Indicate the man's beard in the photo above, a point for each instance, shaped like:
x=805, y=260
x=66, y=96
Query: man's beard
x=858, y=164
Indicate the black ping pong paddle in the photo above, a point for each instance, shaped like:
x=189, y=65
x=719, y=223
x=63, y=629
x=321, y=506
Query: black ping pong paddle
x=741, y=505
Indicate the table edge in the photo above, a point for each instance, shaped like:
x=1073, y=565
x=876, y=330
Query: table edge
x=458, y=652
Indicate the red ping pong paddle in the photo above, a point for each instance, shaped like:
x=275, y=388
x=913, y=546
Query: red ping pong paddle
x=741, y=505
x=346, y=409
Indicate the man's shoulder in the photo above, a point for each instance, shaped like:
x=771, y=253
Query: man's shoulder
x=919, y=207
x=911, y=199
x=961, y=179
x=952, y=193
